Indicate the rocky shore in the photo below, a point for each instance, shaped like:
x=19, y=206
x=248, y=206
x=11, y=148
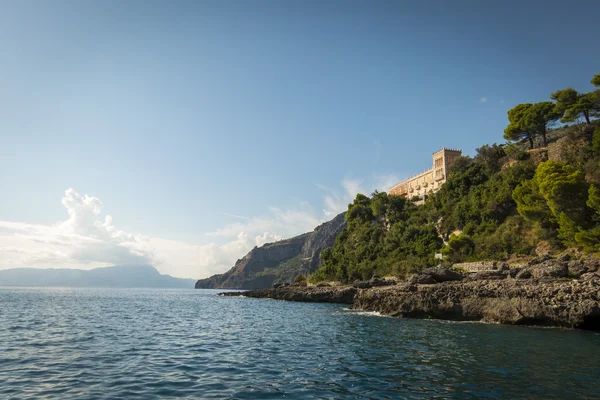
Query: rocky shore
x=333, y=294
x=546, y=291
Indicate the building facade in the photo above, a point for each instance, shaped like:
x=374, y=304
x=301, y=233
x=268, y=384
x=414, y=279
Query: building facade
x=429, y=181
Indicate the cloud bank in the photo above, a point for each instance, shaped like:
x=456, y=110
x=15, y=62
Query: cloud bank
x=86, y=240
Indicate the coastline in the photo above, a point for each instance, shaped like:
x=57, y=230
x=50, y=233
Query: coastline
x=548, y=296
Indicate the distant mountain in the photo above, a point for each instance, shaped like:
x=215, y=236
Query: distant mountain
x=134, y=276
x=278, y=262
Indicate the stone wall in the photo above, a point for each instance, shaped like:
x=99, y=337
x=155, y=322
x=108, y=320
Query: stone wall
x=475, y=266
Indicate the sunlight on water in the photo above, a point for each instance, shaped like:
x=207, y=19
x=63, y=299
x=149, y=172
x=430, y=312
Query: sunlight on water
x=102, y=343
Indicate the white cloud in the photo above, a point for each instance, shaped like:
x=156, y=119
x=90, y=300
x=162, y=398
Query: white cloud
x=483, y=100
x=86, y=240
x=83, y=240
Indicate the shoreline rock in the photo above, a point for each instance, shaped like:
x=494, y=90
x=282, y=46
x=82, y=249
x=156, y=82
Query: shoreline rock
x=311, y=294
x=540, y=294
x=561, y=303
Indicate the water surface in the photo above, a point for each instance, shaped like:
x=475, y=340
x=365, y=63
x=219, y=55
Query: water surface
x=161, y=343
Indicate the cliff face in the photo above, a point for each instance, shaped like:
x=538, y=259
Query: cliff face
x=278, y=262
x=561, y=302
x=557, y=292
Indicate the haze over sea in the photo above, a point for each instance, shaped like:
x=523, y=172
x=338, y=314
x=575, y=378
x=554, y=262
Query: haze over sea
x=162, y=343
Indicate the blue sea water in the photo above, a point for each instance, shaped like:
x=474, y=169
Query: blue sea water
x=151, y=344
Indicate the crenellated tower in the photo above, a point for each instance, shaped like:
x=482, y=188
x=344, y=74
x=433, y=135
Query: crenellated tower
x=429, y=181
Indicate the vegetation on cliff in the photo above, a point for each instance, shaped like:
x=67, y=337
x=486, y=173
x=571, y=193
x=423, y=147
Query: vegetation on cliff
x=499, y=204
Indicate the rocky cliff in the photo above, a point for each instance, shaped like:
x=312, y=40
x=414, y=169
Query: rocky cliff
x=550, y=292
x=278, y=262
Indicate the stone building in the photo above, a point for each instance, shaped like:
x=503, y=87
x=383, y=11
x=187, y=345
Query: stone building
x=429, y=181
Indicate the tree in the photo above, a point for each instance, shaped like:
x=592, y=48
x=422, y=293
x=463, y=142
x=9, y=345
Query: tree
x=565, y=190
x=300, y=280
x=531, y=205
x=490, y=156
x=593, y=201
x=515, y=129
x=594, y=96
x=360, y=209
x=538, y=117
x=527, y=121
x=570, y=104
x=459, y=248
x=379, y=204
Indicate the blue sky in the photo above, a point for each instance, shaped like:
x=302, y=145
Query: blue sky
x=197, y=122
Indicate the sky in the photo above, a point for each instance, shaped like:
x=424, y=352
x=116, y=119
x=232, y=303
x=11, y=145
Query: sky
x=184, y=133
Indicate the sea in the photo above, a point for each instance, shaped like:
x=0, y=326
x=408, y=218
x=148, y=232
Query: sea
x=65, y=343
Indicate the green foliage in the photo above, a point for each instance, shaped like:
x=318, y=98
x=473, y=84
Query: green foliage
x=300, y=280
x=502, y=208
x=596, y=140
x=459, y=248
x=509, y=238
x=385, y=235
x=593, y=200
x=516, y=130
x=570, y=104
x=528, y=121
x=531, y=205
x=559, y=200
x=564, y=189
x=491, y=156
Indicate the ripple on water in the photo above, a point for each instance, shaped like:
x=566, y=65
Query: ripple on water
x=150, y=344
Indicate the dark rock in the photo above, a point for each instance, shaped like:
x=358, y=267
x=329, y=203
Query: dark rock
x=423, y=279
x=564, y=257
x=523, y=274
x=500, y=266
x=373, y=282
x=566, y=303
x=487, y=275
x=334, y=294
x=442, y=274
x=512, y=272
x=361, y=284
x=381, y=282
x=277, y=285
x=323, y=284
x=550, y=269
x=576, y=268
x=540, y=259
x=591, y=264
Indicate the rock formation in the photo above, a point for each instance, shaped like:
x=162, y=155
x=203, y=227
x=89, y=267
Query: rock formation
x=278, y=262
x=551, y=292
x=331, y=294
